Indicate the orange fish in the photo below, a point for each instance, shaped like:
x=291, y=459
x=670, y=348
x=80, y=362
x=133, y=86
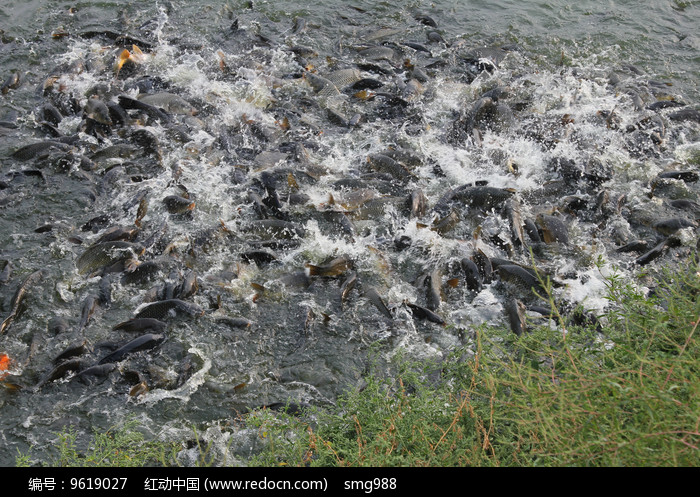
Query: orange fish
x=4, y=365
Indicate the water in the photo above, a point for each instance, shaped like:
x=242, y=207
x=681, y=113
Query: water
x=304, y=345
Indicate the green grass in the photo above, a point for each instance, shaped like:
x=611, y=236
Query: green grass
x=625, y=393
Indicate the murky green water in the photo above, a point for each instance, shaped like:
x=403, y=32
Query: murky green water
x=256, y=117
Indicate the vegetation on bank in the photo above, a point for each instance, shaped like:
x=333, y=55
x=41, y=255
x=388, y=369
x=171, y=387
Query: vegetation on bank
x=624, y=391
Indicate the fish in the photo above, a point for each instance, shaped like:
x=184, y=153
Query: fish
x=483, y=197
x=321, y=86
x=107, y=254
x=5, y=271
x=515, y=311
x=268, y=229
x=176, y=204
x=72, y=351
x=98, y=111
x=169, y=102
x=89, y=307
x=373, y=296
x=18, y=298
x=12, y=82
x=384, y=164
x=144, y=342
x=669, y=226
x=90, y=374
x=144, y=272
x=526, y=281
x=118, y=233
x=344, y=77
x=234, y=322
x=425, y=314
x=40, y=150
x=446, y=223
x=151, y=110
x=417, y=203
x=60, y=371
x=483, y=263
x=347, y=286
x=168, y=308
x=335, y=267
x=140, y=325
x=553, y=229
x=472, y=275
x=58, y=324
x=434, y=291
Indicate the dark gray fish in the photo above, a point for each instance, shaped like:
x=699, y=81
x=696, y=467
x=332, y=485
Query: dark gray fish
x=274, y=229
x=416, y=46
x=144, y=342
x=524, y=280
x=12, y=82
x=18, y=297
x=40, y=150
x=655, y=252
x=107, y=254
x=685, y=115
x=446, y=223
x=553, y=229
x=664, y=104
x=417, y=203
x=687, y=176
x=515, y=311
x=189, y=286
x=259, y=257
x=144, y=272
x=91, y=374
x=298, y=279
x=72, y=351
x=434, y=292
x=376, y=300
x=98, y=111
x=425, y=314
x=169, y=102
x=472, y=275
x=669, y=226
x=639, y=246
x=484, y=264
x=49, y=113
x=685, y=204
x=89, y=307
x=141, y=324
x=426, y=19
x=234, y=322
x=532, y=232
x=176, y=204
x=291, y=408
x=347, y=286
x=60, y=371
x=322, y=86
x=118, y=234
x=384, y=164
x=58, y=325
x=5, y=271
x=512, y=211
x=169, y=308
x=151, y=110
x=378, y=53
x=484, y=197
